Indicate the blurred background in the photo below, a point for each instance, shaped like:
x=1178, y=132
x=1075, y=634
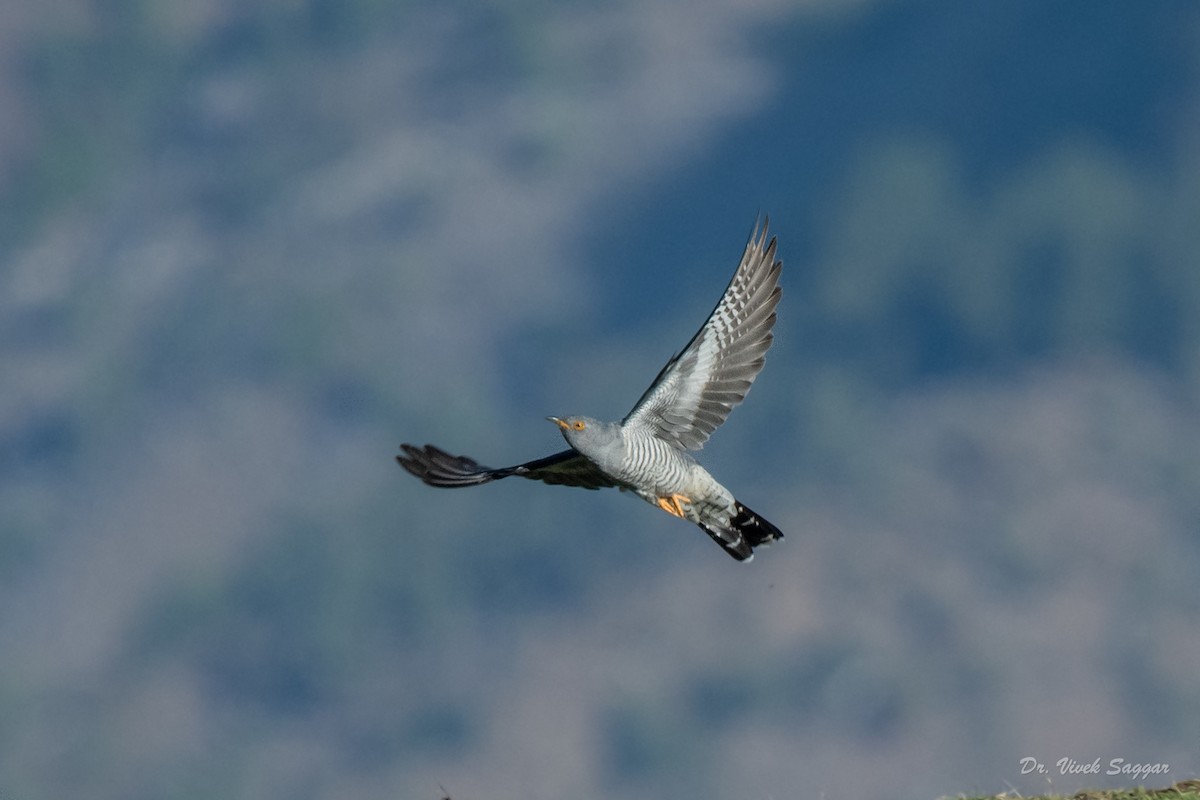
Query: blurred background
x=246, y=249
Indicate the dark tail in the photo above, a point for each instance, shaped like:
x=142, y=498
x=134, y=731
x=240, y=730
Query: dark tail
x=746, y=531
x=756, y=529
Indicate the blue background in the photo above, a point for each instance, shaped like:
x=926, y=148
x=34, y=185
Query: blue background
x=246, y=249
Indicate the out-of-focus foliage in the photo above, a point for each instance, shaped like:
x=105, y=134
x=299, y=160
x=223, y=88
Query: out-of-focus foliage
x=246, y=249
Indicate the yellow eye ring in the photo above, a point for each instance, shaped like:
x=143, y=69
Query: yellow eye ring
x=578, y=425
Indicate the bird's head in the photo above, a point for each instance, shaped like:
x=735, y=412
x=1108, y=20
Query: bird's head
x=583, y=433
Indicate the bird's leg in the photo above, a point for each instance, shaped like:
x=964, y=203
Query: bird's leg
x=672, y=504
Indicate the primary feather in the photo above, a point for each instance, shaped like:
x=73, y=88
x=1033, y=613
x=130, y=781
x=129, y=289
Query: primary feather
x=695, y=391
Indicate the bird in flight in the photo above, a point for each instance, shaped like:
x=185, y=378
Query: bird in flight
x=647, y=452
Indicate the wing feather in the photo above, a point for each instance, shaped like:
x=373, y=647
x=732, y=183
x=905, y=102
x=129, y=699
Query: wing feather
x=436, y=467
x=696, y=390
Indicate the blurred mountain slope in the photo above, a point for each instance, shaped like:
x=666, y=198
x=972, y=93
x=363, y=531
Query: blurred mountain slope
x=248, y=249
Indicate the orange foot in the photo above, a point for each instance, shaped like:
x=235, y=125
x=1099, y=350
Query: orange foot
x=671, y=504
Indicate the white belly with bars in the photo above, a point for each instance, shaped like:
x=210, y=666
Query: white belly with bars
x=673, y=481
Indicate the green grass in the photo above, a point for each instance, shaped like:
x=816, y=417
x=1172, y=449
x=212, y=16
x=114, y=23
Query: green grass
x=1184, y=790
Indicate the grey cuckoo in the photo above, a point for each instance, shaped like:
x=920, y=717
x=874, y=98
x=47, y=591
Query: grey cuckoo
x=646, y=453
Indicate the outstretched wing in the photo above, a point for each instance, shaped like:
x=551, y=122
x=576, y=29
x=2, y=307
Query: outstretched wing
x=696, y=390
x=436, y=467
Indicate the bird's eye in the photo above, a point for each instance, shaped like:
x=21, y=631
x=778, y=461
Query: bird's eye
x=578, y=425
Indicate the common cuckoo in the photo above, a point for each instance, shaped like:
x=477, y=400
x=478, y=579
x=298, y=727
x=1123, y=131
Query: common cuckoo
x=647, y=452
